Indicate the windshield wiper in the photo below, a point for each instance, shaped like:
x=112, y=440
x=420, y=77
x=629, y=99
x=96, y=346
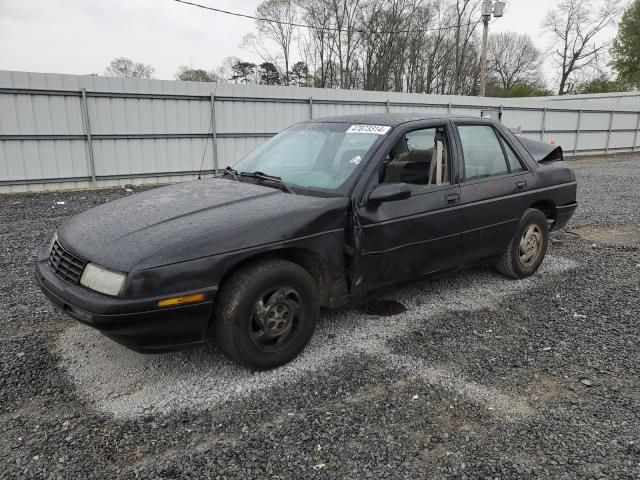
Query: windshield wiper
x=268, y=178
x=231, y=171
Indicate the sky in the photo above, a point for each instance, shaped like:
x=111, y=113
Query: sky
x=83, y=36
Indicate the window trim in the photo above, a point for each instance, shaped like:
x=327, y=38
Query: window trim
x=501, y=140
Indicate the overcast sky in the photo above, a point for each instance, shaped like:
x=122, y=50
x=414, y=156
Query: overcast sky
x=82, y=36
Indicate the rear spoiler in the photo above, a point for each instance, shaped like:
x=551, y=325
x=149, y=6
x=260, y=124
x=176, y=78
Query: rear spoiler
x=540, y=151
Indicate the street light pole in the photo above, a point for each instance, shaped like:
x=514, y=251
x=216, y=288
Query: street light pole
x=497, y=10
x=483, y=55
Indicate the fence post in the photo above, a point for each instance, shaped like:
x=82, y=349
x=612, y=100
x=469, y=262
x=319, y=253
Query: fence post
x=449, y=108
x=87, y=131
x=388, y=106
x=575, y=145
x=635, y=136
x=214, y=135
x=311, y=108
x=609, y=132
x=544, y=123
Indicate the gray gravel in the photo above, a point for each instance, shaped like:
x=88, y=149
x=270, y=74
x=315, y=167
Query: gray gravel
x=481, y=377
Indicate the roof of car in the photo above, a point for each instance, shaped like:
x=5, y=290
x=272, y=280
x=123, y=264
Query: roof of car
x=389, y=119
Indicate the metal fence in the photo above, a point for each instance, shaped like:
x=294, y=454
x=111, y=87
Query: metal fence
x=622, y=99
x=65, y=131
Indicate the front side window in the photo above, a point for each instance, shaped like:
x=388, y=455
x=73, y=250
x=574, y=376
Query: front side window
x=421, y=157
x=483, y=155
x=316, y=156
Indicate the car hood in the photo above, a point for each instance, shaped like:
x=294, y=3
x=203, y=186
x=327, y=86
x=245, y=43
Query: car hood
x=193, y=220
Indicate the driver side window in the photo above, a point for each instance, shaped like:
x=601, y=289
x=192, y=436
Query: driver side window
x=421, y=158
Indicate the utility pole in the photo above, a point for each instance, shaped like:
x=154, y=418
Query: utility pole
x=488, y=8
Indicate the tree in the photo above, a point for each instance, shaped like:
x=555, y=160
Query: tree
x=126, y=68
x=243, y=71
x=574, y=26
x=464, y=32
x=187, y=74
x=280, y=32
x=269, y=74
x=315, y=41
x=626, y=47
x=224, y=71
x=523, y=89
x=513, y=58
x=299, y=74
x=602, y=83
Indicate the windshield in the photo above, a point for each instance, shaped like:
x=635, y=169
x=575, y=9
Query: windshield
x=317, y=156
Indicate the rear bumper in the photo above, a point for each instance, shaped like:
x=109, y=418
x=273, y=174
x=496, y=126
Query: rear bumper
x=563, y=215
x=136, y=323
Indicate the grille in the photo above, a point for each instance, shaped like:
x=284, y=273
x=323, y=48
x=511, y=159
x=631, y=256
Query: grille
x=65, y=265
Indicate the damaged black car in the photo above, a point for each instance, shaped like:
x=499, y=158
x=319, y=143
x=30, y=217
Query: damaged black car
x=321, y=215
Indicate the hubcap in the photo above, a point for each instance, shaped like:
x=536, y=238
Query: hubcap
x=274, y=320
x=530, y=246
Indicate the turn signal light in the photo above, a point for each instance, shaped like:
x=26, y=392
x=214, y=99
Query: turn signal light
x=172, y=302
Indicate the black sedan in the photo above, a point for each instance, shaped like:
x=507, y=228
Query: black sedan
x=321, y=215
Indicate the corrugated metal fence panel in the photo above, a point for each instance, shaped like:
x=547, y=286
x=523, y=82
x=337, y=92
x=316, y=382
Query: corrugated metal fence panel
x=526, y=120
x=146, y=116
x=128, y=157
x=562, y=120
x=38, y=159
x=144, y=129
x=46, y=115
x=595, y=100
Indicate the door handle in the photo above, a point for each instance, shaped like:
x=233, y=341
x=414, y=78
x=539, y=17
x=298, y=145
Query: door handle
x=452, y=199
x=521, y=186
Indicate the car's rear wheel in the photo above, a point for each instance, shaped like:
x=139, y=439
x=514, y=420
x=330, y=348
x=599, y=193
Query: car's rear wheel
x=527, y=248
x=266, y=313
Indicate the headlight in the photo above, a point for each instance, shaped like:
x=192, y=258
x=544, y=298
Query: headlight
x=102, y=279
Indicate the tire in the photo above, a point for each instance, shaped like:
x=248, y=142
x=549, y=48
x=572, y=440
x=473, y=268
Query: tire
x=266, y=314
x=532, y=235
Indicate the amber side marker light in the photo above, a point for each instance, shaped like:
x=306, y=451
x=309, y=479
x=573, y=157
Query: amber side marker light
x=172, y=302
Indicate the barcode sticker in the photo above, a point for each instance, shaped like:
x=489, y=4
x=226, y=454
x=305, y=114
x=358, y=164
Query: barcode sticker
x=376, y=129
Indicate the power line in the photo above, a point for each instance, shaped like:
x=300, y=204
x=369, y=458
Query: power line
x=332, y=29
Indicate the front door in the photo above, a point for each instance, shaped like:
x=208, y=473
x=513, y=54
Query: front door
x=404, y=239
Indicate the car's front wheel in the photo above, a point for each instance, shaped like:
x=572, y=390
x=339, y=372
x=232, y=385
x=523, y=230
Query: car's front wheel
x=266, y=313
x=527, y=248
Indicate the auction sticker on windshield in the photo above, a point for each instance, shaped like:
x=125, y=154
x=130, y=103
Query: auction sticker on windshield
x=377, y=129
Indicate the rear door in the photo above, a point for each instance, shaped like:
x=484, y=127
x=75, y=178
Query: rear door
x=493, y=190
x=404, y=239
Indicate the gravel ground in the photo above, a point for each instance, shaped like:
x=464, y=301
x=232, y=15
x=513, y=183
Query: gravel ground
x=481, y=377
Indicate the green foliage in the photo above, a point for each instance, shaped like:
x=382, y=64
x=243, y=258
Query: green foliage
x=521, y=90
x=600, y=84
x=269, y=74
x=626, y=47
x=242, y=71
x=195, y=75
x=126, y=68
x=299, y=74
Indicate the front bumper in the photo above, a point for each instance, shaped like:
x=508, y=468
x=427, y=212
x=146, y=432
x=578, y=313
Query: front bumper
x=135, y=323
x=563, y=215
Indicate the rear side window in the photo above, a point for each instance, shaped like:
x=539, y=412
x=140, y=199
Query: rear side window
x=483, y=155
x=514, y=163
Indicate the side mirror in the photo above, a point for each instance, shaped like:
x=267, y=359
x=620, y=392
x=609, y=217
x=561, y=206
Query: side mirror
x=389, y=192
